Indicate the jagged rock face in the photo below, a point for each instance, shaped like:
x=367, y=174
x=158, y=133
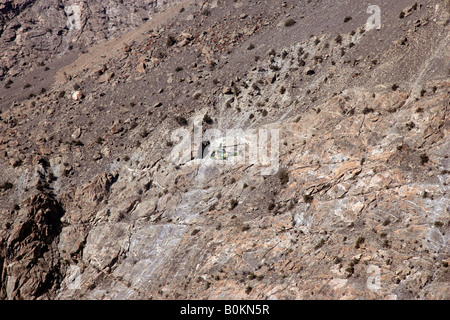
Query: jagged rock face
x=34, y=31
x=356, y=206
x=30, y=260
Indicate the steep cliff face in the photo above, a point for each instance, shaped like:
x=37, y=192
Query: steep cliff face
x=34, y=32
x=105, y=194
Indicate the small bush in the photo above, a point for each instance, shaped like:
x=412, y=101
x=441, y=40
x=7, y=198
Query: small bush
x=424, y=158
x=207, y=119
x=233, y=204
x=6, y=186
x=410, y=125
x=170, y=41
x=289, y=23
x=283, y=176
x=251, y=46
x=394, y=87
x=308, y=198
x=438, y=224
x=359, y=242
x=367, y=110
x=178, y=69
x=181, y=121
x=347, y=19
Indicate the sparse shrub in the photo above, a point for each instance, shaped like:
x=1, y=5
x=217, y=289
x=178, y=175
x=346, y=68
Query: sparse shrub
x=283, y=176
x=438, y=224
x=271, y=206
x=245, y=227
x=194, y=232
x=171, y=40
x=274, y=67
x=359, y=242
x=367, y=110
x=8, y=84
x=272, y=52
x=284, y=54
x=178, y=69
x=347, y=19
x=394, y=87
x=289, y=22
x=282, y=90
x=308, y=198
x=419, y=110
x=181, y=121
x=17, y=163
x=206, y=12
x=99, y=140
x=6, y=185
x=410, y=125
x=386, y=222
x=233, y=204
x=27, y=85
x=78, y=143
x=424, y=158
x=248, y=289
x=338, y=39
x=251, y=46
x=207, y=119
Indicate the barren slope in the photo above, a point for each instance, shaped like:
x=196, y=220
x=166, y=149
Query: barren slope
x=96, y=205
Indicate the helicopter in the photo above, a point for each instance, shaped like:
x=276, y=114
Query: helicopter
x=222, y=154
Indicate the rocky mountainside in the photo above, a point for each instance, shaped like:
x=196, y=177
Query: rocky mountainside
x=105, y=194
